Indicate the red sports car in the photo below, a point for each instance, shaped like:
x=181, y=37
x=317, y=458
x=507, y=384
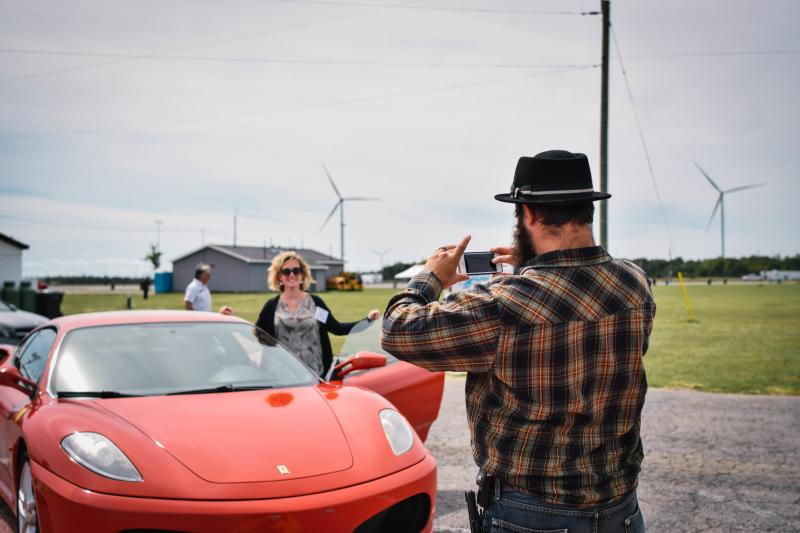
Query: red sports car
x=192, y=422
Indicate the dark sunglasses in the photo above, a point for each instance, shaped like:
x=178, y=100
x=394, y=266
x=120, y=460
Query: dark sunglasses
x=296, y=271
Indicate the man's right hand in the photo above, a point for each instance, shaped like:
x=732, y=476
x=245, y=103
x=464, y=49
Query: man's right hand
x=444, y=263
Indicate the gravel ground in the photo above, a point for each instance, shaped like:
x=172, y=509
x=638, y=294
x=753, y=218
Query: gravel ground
x=713, y=462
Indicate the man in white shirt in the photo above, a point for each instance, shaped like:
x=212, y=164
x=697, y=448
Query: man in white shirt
x=197, y=296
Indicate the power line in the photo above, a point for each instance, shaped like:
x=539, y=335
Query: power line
x=199, y=45
x=438, y=8
x=644, y=143
x=246, y=114
x=26, y=51
x=713, y=54
x=101, y=226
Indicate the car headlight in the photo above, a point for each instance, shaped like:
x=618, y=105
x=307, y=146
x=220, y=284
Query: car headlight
x=100, y=455
x=398, y=431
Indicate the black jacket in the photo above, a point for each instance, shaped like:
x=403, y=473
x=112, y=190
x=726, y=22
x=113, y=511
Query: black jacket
x=266, y=322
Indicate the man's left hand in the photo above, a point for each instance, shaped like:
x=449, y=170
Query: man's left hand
x=225, y=310
x=444, y=263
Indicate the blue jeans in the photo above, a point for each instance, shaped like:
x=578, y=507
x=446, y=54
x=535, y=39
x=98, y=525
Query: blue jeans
x=520, y=513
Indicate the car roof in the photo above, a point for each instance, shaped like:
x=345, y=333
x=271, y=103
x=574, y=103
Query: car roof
x=110, y=318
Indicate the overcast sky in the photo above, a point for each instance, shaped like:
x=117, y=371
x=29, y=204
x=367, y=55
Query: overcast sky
x=114, y=115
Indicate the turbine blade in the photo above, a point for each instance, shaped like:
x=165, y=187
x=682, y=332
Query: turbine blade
x=362, y=199
x=331, y=215
x=707, y=177
x=714, y=212
x=331, y=180
x=745, y=187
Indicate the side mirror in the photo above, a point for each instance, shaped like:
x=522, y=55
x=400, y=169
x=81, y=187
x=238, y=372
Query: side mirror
x=11, y=377
x=359, y=361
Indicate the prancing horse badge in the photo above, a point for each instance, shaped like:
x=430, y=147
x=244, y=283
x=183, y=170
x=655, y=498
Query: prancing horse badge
x=283, y=470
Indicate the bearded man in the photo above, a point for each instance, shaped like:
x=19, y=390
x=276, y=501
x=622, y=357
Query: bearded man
x=553, y=354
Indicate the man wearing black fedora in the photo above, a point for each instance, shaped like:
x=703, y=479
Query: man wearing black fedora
x=553, y=354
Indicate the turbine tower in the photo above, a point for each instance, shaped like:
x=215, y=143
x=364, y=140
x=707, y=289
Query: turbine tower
x=721, y=203
x=340, y=206
x=381, y=254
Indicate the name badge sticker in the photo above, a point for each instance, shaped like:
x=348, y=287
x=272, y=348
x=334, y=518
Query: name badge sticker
x=321, y=315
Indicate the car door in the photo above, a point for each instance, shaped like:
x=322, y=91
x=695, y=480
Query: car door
x=30, y=358
x=416, y=392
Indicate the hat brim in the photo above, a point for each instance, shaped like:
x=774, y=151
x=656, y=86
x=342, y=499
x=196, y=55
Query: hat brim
x=553, y=199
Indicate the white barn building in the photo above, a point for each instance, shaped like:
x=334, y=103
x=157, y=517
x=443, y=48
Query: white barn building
x=11, y=259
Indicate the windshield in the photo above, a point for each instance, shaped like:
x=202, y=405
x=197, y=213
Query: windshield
x=165, y=358
x=4, y=306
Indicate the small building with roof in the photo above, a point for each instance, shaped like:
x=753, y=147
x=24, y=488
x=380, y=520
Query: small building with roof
x=11, y=259
x=244, y=268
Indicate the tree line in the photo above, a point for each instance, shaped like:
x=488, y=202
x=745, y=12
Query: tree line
x=717, y=267
x=699, y=268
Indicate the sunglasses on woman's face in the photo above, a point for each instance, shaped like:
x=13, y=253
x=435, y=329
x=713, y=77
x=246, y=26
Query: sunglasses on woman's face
x=296, y=271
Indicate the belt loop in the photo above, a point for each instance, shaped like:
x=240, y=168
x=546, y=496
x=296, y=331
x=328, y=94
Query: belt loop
x=498, y=488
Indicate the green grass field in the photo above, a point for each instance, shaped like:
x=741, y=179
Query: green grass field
x=747, y=338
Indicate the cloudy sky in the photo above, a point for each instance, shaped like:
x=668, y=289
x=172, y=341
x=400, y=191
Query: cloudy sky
x=115, y=115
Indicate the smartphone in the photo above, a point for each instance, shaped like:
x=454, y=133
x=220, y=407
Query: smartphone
x=476, y=263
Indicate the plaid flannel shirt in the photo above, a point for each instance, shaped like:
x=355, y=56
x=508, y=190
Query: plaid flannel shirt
x=555, y=378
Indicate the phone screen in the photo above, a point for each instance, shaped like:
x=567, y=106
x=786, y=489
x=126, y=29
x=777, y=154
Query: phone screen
x=479, y=262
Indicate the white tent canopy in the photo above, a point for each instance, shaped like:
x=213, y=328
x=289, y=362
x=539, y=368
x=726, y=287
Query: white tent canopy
x=410, y=272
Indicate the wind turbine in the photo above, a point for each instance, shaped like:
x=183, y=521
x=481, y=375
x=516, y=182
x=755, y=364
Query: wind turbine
x=340, y=206
x=721, y=203
x=381, y=254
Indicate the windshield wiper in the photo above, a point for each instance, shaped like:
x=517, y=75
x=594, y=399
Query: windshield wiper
x=95, y=394
x=228, y=387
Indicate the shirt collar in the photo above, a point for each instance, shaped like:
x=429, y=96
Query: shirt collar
x=572, y=257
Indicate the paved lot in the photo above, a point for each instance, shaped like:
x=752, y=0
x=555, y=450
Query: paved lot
x=713, y=462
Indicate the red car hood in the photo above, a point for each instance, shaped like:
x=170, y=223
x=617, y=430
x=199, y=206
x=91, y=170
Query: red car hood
x=240, y=437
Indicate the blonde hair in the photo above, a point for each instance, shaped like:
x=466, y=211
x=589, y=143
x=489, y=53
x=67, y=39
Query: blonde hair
x=274, y=272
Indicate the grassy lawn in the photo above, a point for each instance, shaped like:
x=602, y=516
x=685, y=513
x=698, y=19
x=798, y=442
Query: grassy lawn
x=747, y=338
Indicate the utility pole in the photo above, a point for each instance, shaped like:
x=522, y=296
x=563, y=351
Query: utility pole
x=341, y=231
x=158, y=234
x=235, y=216
x=606, y=9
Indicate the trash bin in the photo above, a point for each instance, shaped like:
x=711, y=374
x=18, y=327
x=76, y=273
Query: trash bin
x=163, y=282
x=49, y=304
x=27, y=297
x=9, y=293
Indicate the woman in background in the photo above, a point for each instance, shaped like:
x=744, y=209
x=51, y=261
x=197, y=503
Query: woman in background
x=299, y=320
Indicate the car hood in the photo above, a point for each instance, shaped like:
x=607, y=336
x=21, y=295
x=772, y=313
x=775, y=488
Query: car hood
x=21, y=319
x=240, y=437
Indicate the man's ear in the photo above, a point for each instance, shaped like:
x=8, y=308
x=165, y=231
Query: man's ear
x=528, y=215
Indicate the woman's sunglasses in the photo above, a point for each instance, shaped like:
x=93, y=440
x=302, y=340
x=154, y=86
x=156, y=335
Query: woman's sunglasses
x=296, y=271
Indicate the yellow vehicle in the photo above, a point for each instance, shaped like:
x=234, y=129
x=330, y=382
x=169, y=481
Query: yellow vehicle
x=346, y=281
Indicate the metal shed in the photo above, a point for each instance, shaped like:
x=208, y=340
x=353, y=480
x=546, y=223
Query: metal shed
x=11, y=259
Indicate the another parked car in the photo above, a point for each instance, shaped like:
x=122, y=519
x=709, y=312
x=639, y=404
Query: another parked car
x=187, y=421
x=15, y=323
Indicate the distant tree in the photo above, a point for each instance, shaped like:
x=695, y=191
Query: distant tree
x=390, y=270
x=154, y=257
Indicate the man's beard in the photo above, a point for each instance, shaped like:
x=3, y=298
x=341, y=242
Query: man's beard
x=523, y=243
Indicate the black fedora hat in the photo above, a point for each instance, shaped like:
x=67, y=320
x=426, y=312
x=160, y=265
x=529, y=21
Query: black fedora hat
x=552, y=177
